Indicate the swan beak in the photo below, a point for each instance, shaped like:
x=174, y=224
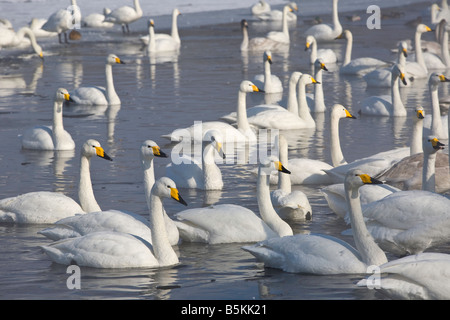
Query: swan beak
x=349, y=115
x=341, y=36
x=102, y=154
x=323, y=67
x=366, y=179
x=269, y=58
x=158, y=153
x=220, y=150
x=420, y=114
x=437, y=145
x=428, y=28
x=67, y=97
x=119, y=61
x=41, y=55
x=174, y=194
x=314, y=81
x=402, y=77
x=405, y=52
x=282, y=169
x=307, y=46
x=443, y=78
x=256, y=89
x=244, y=24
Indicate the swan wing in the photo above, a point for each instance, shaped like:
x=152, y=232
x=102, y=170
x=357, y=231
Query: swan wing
x=92, y=95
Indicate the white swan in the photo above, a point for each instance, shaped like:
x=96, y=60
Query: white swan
x=243, y=132
x=283, y=35
x=160, y=44
x=317, y=102
x=259, y=43
x=323, y=254
x=269, y=82
x=435, y=122
x=260, y=7
x=326, y=55
x=358, y=66
x=44, y=207
x=226, y=223
x=289, y=204
x=63, y=20
x=173, y=36
x=10, y=38
x=324, y=32
x=381, y=77
x=50, y=137
x=277, y=15
x=125, y=15
x=187, y=172
x=97, y=20
x=36, y=26
x=115, y=220
x=96, y=95
x=418, y=69
x=387, y=106
x=110, y=249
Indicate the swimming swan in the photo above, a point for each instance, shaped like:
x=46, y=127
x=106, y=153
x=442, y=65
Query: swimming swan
x=160, y=44
x=44, y=207
x=260, y=7
x=277, y=15
x=435, y=122
x=418, y=69
x=125, y=15
x=97, y=20
x=259, y=43
x=324, y=32
x=173, y=36
x=326, y=55
x=10, y=38
x=50, y=137
x=187, y=172
x=96, y=95
x=323, y=254
x=268, y=82
x=109, y=249
x=283, y=35
x=227, y=223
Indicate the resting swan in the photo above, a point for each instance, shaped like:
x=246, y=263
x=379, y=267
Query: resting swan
x=418, y=69
x=10, y=38
x=387, y=106
x=283, y=35
x=227, y=223
x=115, y=220
x=109, y=249
x=324, y=32
x=97, y=20
x=160, y=44
x=63, y=20
x=187, y=172
x=44, y=207
x=243, y=132
x=278, y=15
x=260, y=7
x=259, y=43
x=125, y=15
x=50, y=137
x=173, y=36
x=323, y=254
x=96, y=95
x=326, y=55
x=268, y=82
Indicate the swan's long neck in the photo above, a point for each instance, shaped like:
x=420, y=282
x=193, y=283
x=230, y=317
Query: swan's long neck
x=244, y=43
x=398, y=109
x=151, y=47
x=266, y=210
x=149, y=177
x=284, y=180
x=429, y=172
x=337, y=28
x=444, y=48
x=174, y=32
x=418, y=48
x=337, y=158
x=319, y=101
x=85, y=191
x=137, y=7
x=348, y=49
x=241, y=114
x=111, y=94
x=313, y=55
x=212, y=175
x=416, y=138
x=58, y=127
x=370, y=252
x=267, y=75
x=292, y=104
x=303, y=109
x=29, y=33
x=162, y=249
x=285, y=29
x=436, y=123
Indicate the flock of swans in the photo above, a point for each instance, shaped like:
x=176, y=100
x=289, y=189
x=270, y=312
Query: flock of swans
x=404, y=219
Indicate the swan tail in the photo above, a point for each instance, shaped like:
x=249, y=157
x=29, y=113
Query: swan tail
x=59, y=233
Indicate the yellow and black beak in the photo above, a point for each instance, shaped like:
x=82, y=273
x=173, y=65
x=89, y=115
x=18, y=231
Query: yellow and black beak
x=307, y=45
x=102, y=154
x=67, y=97
x=349, y=115
x=443, y=78
x=366, y=179
x=405, y=52
x=174, y=194
x=158, y=153
x=323, y=67
x=41, y=55
x=403, y=78
x=119, y=61
x=314, y=81
x=437, y=145
x=256, y=89
x=220, y=150
x=269, y=58
x=420, y=114
x=427, y=28
x=341, y=36
x=282, y=169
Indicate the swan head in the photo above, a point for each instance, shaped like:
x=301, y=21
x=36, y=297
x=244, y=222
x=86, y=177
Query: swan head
x=267, y=56
x=320, y=65
x=403, y=48
x=339, y=111
x=150, y=149
x=431, y=144
x=244, y=24
x=176, y=12
x=346, y=34
x=93, y=148
x=106, y=11
x=287, y=8
x=150, y=23
x=422, y=28
x=248, y=86
x=436, y=78
x=113, y=59
x=214, y=137
x=293, y=6
x=295, y=76
x=308, y=79
x=419, y=113
x=356, y=178
x=309, y=41
x=165, y=188
x=397, y=71
x=62, y=95
x=272, y=164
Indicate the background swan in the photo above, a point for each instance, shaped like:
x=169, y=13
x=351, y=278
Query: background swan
x=50, y=137
x=418, y=69
x=36, y=26
x=160, y=44
x=109, y=249
x=324, y=32
x=289, y=204
x=187, y=172
x=259, y=43
x=358, y=66
x=96, y=95
x=260, y=7
x=269, y=82
x=243, y=132
x=387, y=106
x=125, y=15
x=116, y=220
x=226, y=223
x=326, y=55
x=43, y=207
x=436, y=124
x=317, y=102
x=173, y=36
x=322, y=254
x=283, y=35
x=277, y=15
x=63, y=20
x=10, y=38
x=97, y=20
